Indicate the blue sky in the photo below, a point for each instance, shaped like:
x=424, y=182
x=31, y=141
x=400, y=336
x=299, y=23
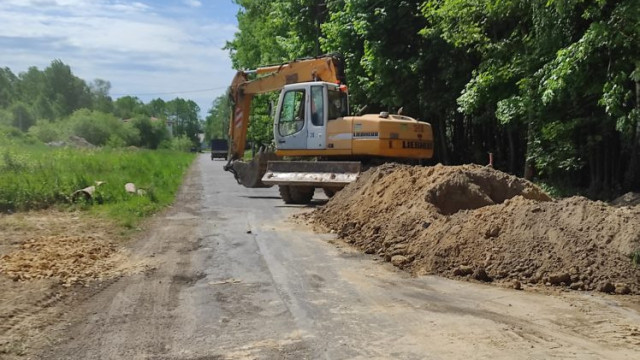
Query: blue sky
x=150, y=49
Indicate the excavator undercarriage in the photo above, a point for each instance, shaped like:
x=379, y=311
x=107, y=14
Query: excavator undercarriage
x=297, y=180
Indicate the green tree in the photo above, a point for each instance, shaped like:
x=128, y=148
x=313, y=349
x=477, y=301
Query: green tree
x=43, y=108
x=183, y=114
x=66, y=91
x=157, y=108
x=52, y=93
x=23, y=119
x=7, y=87
x=100, y=93
x=217, y=120
x=273, y=32
x=152, y=133
x=6, y=118
x=127, y=107
x=260, y=131
x=31, y=84
x=559, y=71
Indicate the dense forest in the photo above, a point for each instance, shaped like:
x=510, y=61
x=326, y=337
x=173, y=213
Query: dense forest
x=52, y=104
x=552, y=88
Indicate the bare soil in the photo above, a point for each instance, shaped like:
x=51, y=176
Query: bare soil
x=49, y=260
x=477, y=223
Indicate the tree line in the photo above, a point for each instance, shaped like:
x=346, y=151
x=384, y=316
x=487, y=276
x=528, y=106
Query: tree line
x=53, y=103
x=551, y=88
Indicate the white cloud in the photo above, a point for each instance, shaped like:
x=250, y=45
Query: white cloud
x=135, y=46
x=193, y=3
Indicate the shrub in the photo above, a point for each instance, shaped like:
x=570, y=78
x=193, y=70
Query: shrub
x=13, y=135
x=181, y=143
x=152, y=133
x=47, y=131
x=97, y=127
x=115, y=141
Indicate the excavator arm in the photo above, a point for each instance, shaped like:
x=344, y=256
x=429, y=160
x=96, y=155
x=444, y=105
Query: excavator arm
x=327, y=68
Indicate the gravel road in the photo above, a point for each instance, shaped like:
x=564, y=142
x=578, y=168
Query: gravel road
x=233, y=278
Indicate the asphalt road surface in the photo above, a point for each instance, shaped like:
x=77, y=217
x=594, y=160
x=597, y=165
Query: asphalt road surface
x=233, y=278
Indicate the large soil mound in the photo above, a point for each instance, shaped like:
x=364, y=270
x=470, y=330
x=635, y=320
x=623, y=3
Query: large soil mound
x=476, y=222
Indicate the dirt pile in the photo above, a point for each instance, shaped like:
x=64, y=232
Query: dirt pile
x=475, y=222
x=71, y=259
x=63, y=247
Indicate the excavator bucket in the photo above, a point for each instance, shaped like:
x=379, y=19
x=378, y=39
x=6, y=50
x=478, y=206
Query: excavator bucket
x=249, y=174
x=322, y=174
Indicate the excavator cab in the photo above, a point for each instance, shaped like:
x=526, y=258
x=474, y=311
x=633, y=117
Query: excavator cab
x=303, y=113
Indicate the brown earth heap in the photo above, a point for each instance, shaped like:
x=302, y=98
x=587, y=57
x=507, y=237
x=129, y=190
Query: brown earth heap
x=71, y=259
x=479, y=223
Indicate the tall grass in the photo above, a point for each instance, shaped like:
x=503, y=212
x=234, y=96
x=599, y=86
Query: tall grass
x=37, y=177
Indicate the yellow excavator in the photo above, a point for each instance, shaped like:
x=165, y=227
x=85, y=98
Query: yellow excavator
x=312, y=125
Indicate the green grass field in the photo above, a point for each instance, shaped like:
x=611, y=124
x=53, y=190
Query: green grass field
x=38, y=177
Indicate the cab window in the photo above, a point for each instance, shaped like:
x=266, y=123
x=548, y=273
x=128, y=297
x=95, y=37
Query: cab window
x=337, y=104
x=317, y=105
x=291, y=118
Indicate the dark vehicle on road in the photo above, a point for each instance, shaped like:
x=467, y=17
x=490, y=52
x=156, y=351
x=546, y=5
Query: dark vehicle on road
x=219, y=149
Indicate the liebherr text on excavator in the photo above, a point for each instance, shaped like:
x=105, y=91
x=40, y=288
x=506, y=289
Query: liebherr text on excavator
x=312, y=123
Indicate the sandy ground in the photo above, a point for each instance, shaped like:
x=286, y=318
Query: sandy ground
x=49, y=261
